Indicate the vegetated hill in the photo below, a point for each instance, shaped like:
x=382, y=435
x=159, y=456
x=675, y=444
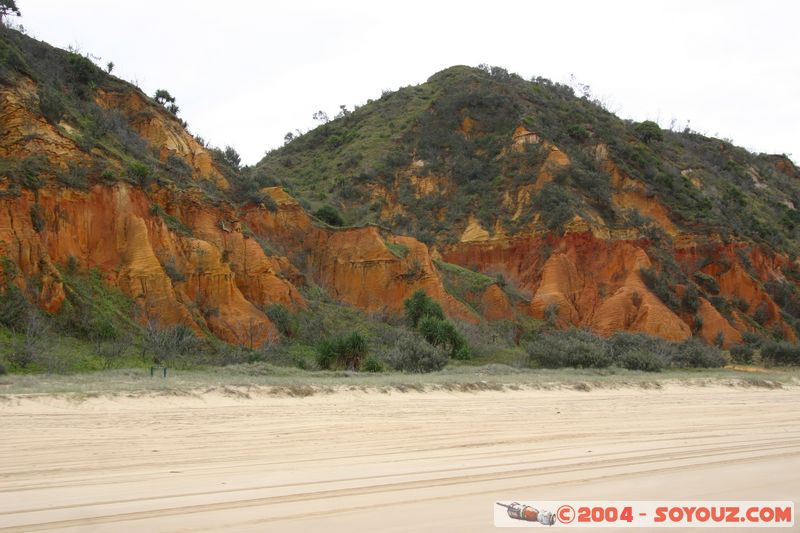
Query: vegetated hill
x=506, y=201
x=114, y=218
x=606, y=222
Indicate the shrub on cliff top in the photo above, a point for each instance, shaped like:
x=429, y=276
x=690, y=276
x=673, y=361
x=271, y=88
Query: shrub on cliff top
x=329, y=215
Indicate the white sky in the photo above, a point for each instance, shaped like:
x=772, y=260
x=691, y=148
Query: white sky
x=245, y=72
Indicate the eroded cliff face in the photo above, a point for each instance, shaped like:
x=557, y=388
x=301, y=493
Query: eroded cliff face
x=581, y=279
x=354, y=264
x=174, y=278
x=214, y=275
x=216, y=267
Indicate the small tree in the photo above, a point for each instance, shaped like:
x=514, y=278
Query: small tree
x=344, y=352
x=421, y=305
x=164, y=98
x=109, y=66
x=648, y=131
x=413, y=354
x=8, y=7
x=329, y=215
x=231, y=156
x=321, y=116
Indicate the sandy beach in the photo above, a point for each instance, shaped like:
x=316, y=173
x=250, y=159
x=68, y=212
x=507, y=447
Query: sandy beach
x=357, y=460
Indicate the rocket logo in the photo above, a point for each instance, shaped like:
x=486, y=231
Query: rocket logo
x=527, y=513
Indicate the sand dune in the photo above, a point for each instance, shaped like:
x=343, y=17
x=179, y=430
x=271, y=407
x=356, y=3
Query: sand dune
x=357, y=461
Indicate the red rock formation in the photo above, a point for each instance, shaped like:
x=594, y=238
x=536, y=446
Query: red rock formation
x=354, y=264
x=495, y=304
x=114, y=229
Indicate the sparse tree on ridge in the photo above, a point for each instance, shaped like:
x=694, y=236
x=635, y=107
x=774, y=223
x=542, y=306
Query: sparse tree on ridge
x=9, y=7
x=163, y=97
x=321, y=116
x=232, y=157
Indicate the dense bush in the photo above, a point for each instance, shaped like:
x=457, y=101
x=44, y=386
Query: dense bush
x=641, y=360
x=634, y=351
x=574, y=347
x=780, y=353
x=420, y=305
x=14, y=307
x=283, y=320
x=658, y=284
x=692, y=353
x=443, y=333
x=74, y=176
x=624, y=342
x=329, y=215
x=51, y=104
x=411, y=353
x=648, y=131
x=372, y=364
x=708, y=283
x=169, y=346
x=741, y=354
x=343, y=352
x=37, y=218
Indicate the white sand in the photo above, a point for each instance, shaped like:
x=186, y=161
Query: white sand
x=355, y=461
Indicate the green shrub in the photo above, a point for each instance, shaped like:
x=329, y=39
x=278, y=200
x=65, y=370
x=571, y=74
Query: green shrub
x=372, y=364
x=641, y=360
x=648, y=131
x=169, y=346
x=692, y=353
x=399, y=250
x=326, y=354
x=577, y=132
x=29, y=172
x=269, y=203
x=37, y=218
x=780, y=353
x=443, y=333
x=760, y=315
x=420, y=305
x=74, y=176
x=329, y=215
x=623, y=342
x=689, y=300
x=708, y=283
x=555, y=205
x=659, y=286
x=140, y=174
x=343, y=352
x=51, y=104
x=14, y=307
x=742, y=354
x=574, y=348
x=171, y=268
x=411, y=353
x=283, y=320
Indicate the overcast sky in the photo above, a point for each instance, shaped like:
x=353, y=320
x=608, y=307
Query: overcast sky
x=244, y=72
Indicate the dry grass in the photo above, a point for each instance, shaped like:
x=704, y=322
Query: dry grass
x=244, y=381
